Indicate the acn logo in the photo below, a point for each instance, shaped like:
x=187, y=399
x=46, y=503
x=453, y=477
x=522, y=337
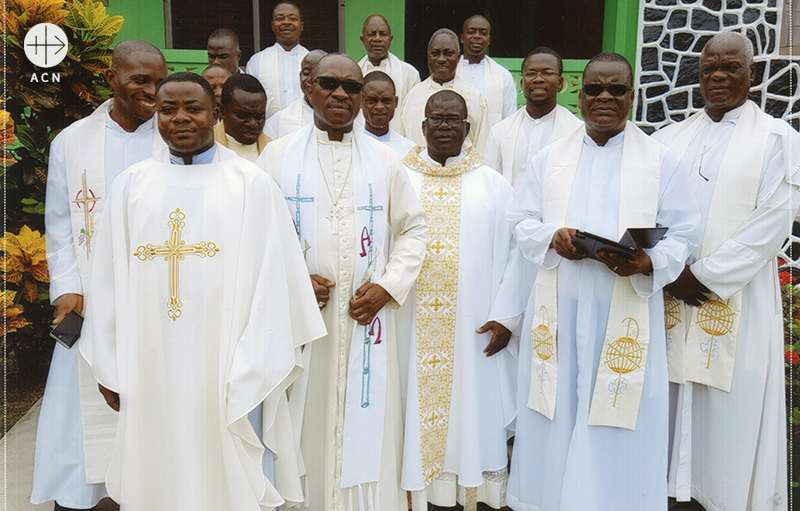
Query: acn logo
x=46, y=45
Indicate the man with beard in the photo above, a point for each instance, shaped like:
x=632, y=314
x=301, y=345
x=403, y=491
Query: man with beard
x=443, y=56
x=483, y=73
x=513, y=142
x=242, y=116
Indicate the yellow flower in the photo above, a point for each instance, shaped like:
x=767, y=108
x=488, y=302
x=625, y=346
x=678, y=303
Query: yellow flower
x=12, y=319
x=25, y=253
x=7, y=136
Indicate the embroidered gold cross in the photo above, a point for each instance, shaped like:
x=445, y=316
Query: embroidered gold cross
x=434, y=360
x=174, y=251
x=438, y=246
x=433, y=418
x=441, y=193
x=87, y=202
x=436, y=304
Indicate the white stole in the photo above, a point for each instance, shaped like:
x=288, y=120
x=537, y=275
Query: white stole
x=365, y=403
x=709, y=352
x=564, y=123
x=492, y=87
x=292, y=118
x=85, y=159
x=620, y=375
x=269, y=76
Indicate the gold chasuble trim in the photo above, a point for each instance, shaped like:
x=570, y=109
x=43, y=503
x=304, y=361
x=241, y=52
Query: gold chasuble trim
x=437, y=289
x=174, y=251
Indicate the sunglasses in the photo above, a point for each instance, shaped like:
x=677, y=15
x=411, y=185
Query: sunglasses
x=330, y=83
x=595, y=89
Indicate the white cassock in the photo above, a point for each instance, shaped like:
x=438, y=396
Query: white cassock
x=404, y=75
x=399, y=144
x=472, y=238
x=76, y=429
x=564, y=464
x=278, y=71
x=412, y=112
x=336, y=246
x=200, y=306
x=514, y=141
x=729, y=448
x=496, y=84
x=290, y=119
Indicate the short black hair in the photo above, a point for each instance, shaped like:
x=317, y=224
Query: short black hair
x=446, y=95
x=546, y=51
x=124, y=49
x=609, y=56
x=287, y=2
x=191, y=78
x=240, y=81
x=380, y=76
x=224, y=33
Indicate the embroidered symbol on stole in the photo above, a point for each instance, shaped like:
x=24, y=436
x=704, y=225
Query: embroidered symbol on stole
x=716, y=319
x=672, y=316
x=542, y=339
x=623, y=356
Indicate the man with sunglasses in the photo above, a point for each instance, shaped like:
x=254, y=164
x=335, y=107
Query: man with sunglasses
x=472, y=390
x=351, y=201
x=443, y=53
x=514, y=141
x=592, y=401
x=729, y=449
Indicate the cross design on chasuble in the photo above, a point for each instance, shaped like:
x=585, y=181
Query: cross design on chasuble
x=87, y=203
x=174, y=251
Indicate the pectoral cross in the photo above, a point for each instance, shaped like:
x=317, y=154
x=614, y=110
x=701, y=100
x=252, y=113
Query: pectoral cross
x=174, y=251
x=88, y=205
x=334, y=215
x=297, y=200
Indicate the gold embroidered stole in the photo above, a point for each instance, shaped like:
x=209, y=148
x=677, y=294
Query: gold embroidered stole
x=437, y=288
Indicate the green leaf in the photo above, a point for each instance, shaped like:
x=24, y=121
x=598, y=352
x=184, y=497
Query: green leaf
x=29, y=201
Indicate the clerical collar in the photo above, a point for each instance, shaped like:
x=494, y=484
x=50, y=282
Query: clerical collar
x=235, y=144
x=612, y=142
x=294, y=49
x=548, y=115
x=322, y=137
x=383, y=138
x=419, y=160
x=442, y=85
x=730, y=115
x=203, y=158
x=449, y=162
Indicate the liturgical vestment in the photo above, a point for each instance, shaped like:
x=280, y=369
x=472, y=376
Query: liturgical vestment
x=201, y=305
x=729, y=448
x=566, y=464
x=320, y=398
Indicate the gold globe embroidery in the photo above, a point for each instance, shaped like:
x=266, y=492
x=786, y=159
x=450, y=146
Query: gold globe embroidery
x=715, y=318
x=672, y=312
x=542, y=339
x=624, y=354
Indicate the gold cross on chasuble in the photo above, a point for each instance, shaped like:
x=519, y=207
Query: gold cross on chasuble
x=174, y=251
x=85, y=202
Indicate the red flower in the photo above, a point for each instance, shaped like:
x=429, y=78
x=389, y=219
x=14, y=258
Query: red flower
x=786, y=278
x=792, y=357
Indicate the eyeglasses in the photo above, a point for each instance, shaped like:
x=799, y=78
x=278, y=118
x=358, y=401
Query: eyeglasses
x=544, y=73
x=453, y=122
x=330, y=83
x=595, y=89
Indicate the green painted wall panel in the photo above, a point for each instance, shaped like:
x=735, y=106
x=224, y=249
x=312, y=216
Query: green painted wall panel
x=144, y=19
x=356, y=11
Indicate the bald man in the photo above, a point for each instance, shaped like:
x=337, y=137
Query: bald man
x=483, y=73
x=76, y=428
x=376, y=34
x=299, y=112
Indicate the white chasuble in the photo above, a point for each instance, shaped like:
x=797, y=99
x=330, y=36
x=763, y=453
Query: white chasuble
x=514, y=141
x=200, y=306
x=279, y=73
x=624, y=355
x=88, y=188
x=339, y=450
x=567, y=463
x=289, y=120
x=492, y=87
x=459, y=401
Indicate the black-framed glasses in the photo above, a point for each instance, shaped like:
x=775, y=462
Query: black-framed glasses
x=453, y=122
x=331, y=83
x=595, y=89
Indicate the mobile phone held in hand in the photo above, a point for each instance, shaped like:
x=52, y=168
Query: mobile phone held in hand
x=68, y=331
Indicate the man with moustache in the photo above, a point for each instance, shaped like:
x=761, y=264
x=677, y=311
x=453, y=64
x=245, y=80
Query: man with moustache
x=278, y=66
x=299, y=112
x=514, y=141
x=188, y=336
x=461, y=368
x=443, y=54
x=379, y=106
x=242, y=117
x=363, y=232
x=376, y=34
x=483, y=73
x=729, y=446
x=76, y=430
x=592, y=401
x=223, y=49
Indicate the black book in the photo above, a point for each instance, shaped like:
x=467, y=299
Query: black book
x=627, y=246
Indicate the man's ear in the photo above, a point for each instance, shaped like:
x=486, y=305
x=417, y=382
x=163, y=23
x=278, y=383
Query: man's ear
x=111, y=76
x=467, y=125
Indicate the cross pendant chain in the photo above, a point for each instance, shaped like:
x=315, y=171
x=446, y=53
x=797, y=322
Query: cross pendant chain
x=335, y=215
